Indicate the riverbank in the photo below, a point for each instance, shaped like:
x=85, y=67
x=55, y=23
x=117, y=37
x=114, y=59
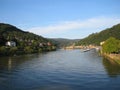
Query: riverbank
x=11, y=51
x=115, y=57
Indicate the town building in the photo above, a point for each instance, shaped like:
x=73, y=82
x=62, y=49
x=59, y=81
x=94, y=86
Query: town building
x=11, y=43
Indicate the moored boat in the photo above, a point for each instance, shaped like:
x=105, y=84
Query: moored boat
x=86, y=50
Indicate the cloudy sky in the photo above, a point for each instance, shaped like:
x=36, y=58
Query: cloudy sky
x=61, y=18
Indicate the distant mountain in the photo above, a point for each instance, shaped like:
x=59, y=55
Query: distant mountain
x=62, y=42
x=96, y=38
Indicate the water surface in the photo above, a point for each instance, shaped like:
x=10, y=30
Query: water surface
x=59, y=70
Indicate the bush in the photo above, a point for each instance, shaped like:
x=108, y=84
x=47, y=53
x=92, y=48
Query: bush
x=13, y=50
x=111, y=45
x=28, y=49
x=3, y=50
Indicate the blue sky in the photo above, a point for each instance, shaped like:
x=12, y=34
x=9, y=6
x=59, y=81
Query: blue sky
x=61, y=18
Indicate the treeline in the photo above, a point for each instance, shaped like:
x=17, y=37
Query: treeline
x=23, y=42
x=96, y=38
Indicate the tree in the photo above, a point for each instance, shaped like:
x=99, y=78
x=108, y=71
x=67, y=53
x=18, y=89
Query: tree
x=111, y=45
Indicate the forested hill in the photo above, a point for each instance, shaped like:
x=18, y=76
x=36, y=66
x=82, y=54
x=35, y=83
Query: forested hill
x=15, y=41
x=10, y=32
x=96, y=38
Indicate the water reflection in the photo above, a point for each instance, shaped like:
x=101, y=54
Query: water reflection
x=112, y=68
x=9, y=63
x=59, y=70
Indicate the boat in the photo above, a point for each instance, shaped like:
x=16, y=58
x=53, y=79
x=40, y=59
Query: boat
x=86, y=50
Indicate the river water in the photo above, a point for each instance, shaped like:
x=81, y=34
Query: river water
x=59, y=70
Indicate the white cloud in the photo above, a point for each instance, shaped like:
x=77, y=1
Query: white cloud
x=81, y=25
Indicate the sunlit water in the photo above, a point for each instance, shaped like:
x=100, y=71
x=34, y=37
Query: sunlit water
x=59, y=70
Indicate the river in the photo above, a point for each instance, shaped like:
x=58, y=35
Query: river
x=59, y=70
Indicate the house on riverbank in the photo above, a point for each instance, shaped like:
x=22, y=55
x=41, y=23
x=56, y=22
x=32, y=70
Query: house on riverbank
x=11, y=43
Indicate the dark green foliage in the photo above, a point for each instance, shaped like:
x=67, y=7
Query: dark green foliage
x=96, y=38
x=12, y=50
x=111, y=45
x=2, y=40
x=3, y=50
x=28, y=49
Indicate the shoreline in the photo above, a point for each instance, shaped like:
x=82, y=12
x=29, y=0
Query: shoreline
x=115, y=57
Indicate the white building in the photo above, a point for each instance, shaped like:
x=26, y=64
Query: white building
x=101, y=43
x=11, y=43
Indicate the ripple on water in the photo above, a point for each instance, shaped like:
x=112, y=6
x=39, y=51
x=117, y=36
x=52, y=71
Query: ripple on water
x=59, y=70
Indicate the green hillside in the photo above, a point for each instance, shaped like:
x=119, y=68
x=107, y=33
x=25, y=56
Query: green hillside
x=96, y=38
x=25, y=41
x=10, y=32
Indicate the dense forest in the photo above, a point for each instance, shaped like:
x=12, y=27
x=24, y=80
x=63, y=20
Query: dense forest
x=96, y=38
x=25, y=42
